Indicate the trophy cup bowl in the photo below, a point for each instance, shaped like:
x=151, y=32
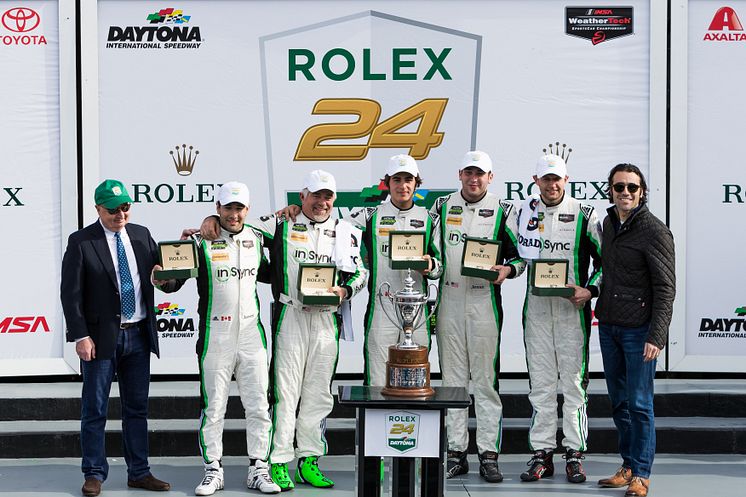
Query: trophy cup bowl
x=408, y=369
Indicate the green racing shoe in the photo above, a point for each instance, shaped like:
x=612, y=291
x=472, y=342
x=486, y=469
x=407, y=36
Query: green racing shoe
x=281, y=477
x=308, y=472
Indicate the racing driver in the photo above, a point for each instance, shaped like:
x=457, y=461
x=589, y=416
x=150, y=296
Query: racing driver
x=470, y=313
x=553, y=225
x=232, y=340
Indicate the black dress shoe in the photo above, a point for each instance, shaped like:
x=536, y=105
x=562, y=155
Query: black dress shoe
x=150, y=482
x=91, y=487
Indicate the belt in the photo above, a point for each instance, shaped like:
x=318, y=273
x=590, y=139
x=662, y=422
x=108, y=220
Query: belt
x=127, y=326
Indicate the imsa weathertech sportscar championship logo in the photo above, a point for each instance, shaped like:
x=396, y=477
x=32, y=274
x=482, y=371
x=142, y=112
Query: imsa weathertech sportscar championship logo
x=402, y=430
x=164, y=29
x=599, y=24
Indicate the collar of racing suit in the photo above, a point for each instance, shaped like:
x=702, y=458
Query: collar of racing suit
x=473, y=204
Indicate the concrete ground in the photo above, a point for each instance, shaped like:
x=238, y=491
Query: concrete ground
x=673, y=476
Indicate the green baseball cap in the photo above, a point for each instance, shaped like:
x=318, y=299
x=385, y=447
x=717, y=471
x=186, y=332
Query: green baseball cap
x=112, y=193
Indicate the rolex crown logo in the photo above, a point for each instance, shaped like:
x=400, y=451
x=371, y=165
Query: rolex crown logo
x=184, y=159
x=554, y=149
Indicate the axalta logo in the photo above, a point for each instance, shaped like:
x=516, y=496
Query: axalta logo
x=170, y=323
x=24, y=324
x=725, y=26
x=724, y=327
x=165, y=29
x=21, y=21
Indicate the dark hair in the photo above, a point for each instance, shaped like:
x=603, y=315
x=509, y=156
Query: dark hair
x=417, y=181
x=628, y=168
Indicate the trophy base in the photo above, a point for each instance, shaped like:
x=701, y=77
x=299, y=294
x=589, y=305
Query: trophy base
x=408, y=373
x=408, y=392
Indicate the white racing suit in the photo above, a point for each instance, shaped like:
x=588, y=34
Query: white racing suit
x=470, y=314
x=305, y=343
x=232, y=340
x=556, y=333
x=380, y=332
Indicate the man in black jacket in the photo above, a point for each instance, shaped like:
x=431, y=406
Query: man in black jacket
x=107, y=298
x=634, y=311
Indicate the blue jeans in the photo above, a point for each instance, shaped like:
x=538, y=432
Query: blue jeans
x=131, y=363
x=630, y=384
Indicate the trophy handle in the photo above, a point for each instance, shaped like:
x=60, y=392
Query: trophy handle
x=382, y=296
x=432, y=291
x=424, y=316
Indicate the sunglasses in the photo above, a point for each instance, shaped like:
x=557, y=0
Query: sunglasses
x=631, y=187
x=123, y=208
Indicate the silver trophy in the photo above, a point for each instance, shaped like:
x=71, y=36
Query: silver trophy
x=407, y=370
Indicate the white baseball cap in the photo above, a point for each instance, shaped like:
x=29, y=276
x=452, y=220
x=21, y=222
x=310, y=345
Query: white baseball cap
x=478, y=159
x=319, y=180
x=551, y=164
x=402, y=163
x=233, y=191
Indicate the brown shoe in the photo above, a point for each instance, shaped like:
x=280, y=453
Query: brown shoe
x=638, y=487
x=150, y=482
x=621, y=478
x=91, y=487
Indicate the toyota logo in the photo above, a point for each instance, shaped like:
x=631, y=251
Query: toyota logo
x=20, y=19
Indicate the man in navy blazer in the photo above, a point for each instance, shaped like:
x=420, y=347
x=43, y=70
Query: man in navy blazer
x=107, y=298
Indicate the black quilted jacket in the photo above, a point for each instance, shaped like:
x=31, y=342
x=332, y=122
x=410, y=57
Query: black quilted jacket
x=639, y=281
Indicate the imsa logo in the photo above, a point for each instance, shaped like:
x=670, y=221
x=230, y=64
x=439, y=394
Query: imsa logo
x=402, y=430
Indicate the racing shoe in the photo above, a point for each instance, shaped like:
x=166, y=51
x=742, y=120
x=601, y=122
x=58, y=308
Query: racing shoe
x=488, y=468
x=456, y=464
x=258, y=478
x=281, y=477
x=574, y=466
x=211, y=482
x=540, y=465
x=308, y=472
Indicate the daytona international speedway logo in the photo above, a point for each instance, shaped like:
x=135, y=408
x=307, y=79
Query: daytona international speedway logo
x=163, y=29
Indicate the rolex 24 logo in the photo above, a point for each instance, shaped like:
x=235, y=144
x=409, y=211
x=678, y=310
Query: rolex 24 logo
x=402, y=429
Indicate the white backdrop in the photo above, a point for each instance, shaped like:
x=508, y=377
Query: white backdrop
x=513, y=79
x=708, y=191
x=31, y=136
